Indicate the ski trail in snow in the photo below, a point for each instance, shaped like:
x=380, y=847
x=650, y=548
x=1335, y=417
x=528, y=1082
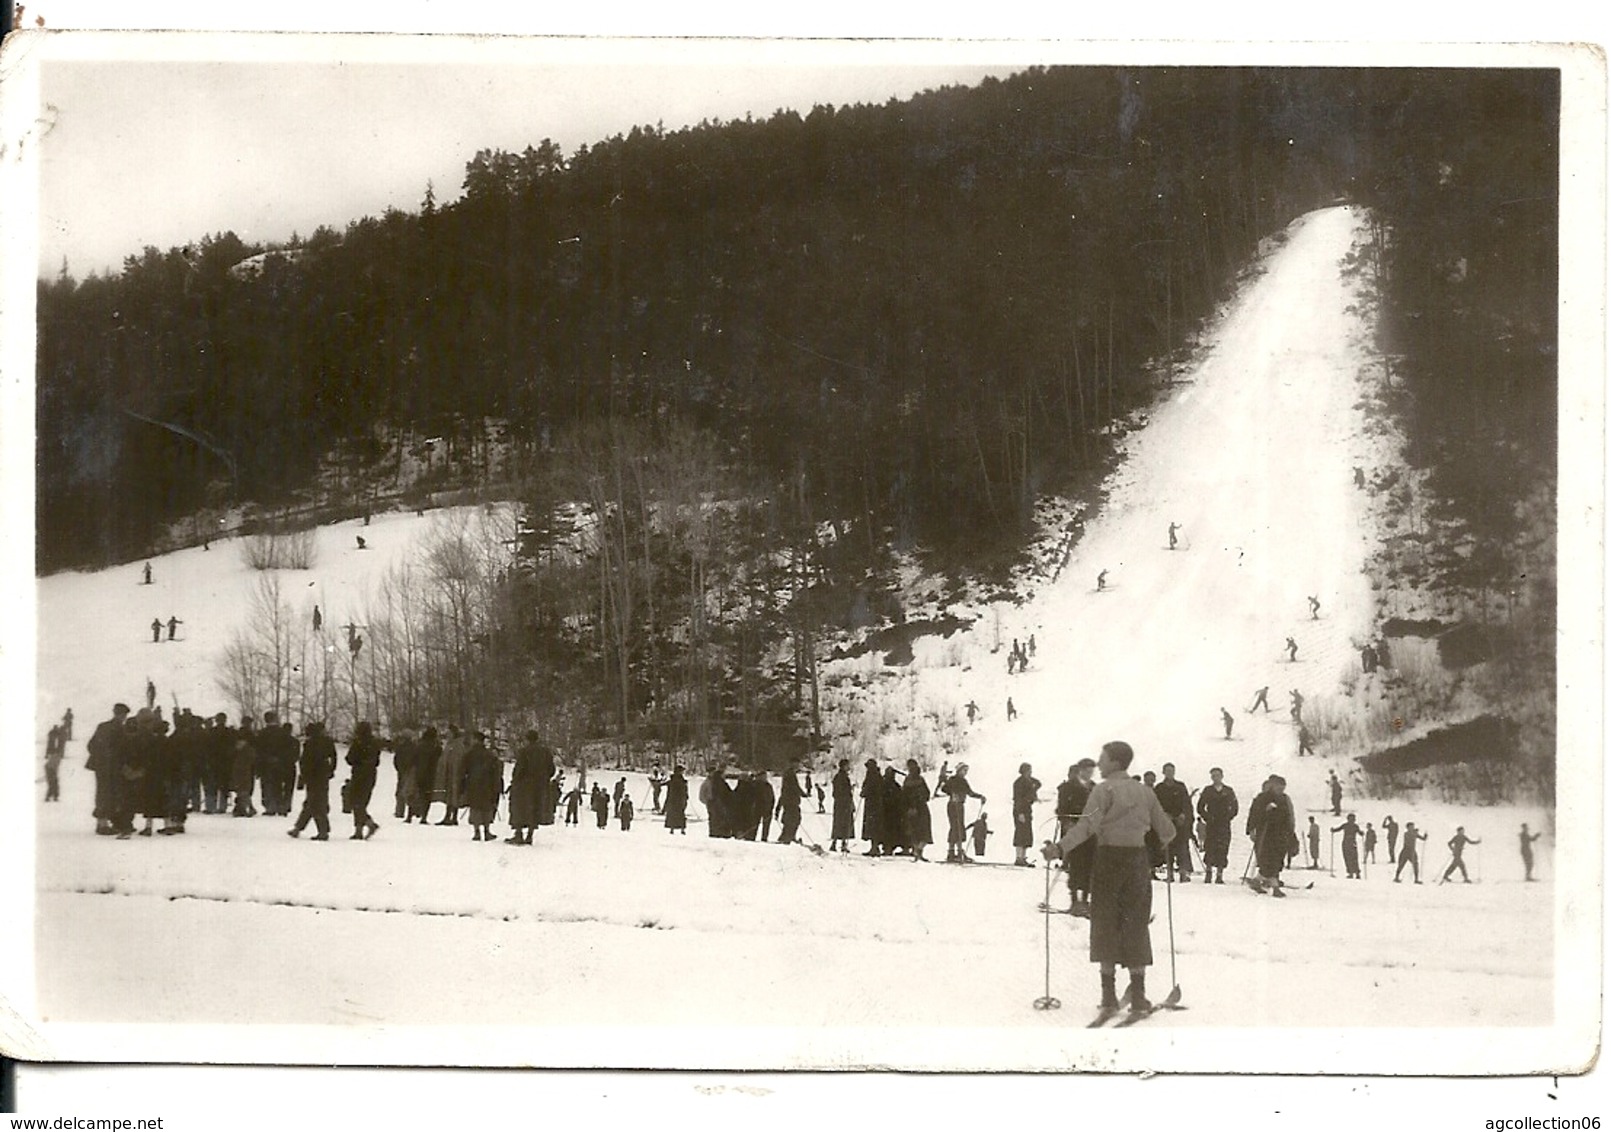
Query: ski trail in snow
x=1253, y=457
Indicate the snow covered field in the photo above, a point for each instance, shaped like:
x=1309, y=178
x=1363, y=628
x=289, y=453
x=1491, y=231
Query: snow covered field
x=598, y=947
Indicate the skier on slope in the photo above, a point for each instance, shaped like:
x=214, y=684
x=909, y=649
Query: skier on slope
x=1292, y=650
x=1217, y=807
x=1314, y=608
x=972, y=710
x=1272, y=826
x=1336, y=795
x=1408, y=853
x=1457, y=847
x=1312, y=834
x=1101, y=580
x=173, y=626
x=1390, y=827
x=1262, y=696
x=1228, y=720
x=1118, y=815
x=156, y=630
x=1527, y=840
x=1306, y=742
x=1370, y=843
x=1173, y=541
x=1350, y=831
x=1296, y=710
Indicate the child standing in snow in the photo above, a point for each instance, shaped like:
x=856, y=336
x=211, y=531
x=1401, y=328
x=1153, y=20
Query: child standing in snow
x=624, y=812
x=979, y=830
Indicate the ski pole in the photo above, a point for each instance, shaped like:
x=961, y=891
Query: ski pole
x=1046, y=1001
x=1331, y=854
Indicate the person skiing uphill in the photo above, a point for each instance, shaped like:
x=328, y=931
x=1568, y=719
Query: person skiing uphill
x=1296, y=710
x=1527, y=840
x=1226, y=718
x=1217, y=807
x=1292, y=651
x=1025, y=793
x=1408, y=855
x=1314, y=608
x=1101, y=581
x=1306, y=742
x=1457, y=847
x=1273, y=828
x=1262, y=696
x=1118, y=815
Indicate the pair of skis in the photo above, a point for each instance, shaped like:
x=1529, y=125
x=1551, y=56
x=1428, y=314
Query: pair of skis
x=1107, y=1014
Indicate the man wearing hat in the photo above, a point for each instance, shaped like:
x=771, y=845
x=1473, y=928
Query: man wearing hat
x=105, y=761
x=844, y=808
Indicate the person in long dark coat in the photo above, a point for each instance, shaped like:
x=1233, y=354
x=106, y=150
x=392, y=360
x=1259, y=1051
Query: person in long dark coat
x=405, y=762
x=450, y=774
x=915, y=795
x=717, y=794
x=747, y=805
x=525, y=790
x=145, y=769
x=1217, y=807
x=676, y=804
x=1273, y=828
x=844, y=808
x=1079, y=861
x=872, y=808
x=894, y=826
x=243, y=768
x=314, y=770
x=363, y=755
x=427, y=757
x=481, y=786
x=219, y=765
x=600, y=800
x=789, y=797
x=105, y=761
x=1025, y=793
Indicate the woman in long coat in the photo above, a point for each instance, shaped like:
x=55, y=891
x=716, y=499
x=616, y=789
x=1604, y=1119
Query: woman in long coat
x=872, y=808
x=893, y=828
x=844, y=808
x=525, y=791
x=676, y=806
x=427, y=755
x=451, y=774
x=919, y=822
x=481, y=786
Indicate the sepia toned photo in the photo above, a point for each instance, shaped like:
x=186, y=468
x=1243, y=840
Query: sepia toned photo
x=805, y=555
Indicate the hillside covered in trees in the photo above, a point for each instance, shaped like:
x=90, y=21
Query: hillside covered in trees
x=861, y=330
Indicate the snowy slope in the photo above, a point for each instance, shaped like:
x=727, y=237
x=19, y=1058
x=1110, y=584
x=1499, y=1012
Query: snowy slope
x=602, y=947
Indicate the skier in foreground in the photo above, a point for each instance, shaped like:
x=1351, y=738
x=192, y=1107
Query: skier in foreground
x=1118, y=815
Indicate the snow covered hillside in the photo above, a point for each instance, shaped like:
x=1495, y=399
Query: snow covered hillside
x=642, y=948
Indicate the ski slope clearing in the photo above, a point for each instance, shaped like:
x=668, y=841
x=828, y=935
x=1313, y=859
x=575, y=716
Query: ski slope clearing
x=643, y=948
